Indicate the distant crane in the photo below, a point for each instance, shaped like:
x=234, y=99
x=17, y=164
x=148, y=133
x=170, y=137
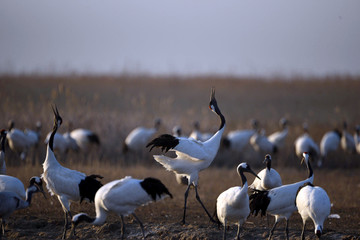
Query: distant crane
x=268, y=177
x=138, y=137
x=10, y=202
x=347, y=141
x=33, y=138
x=279, y=201
x=123, y=197
x=192, y=156
x=237, y=140
x=232, y=205
x=357, y=138
x=313, y=203
x=329, y=143
x=305, y=143
x=261, y=143
x=85, y=139
x=18, y=141
x=278, y=138
x=68, y=185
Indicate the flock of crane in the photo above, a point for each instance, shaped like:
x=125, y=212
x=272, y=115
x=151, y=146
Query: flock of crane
x=267, y=193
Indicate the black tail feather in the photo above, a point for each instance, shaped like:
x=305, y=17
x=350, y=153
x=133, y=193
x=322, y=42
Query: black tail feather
x=259, y=201
x=89, y=186
x=154, y=187
x=165, y=142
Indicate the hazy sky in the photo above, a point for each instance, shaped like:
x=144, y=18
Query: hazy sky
x=238, y=37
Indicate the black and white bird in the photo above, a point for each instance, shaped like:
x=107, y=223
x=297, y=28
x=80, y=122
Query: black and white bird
x=17, y=141
x=237, y=140
x=67, y=184
x=278, y=138
x=313, y=203
x=10, y=201
x=268, y=177
x=347, y=141
x=85, y=139
x=357, y=138
x=138, y=137
x=123, y=197
x=279, y=201
x=329, y=143
x=232, y=205
x=198, y=135
x=305, y=143
x=13, y=184
x=2, y=151
x=192, y=156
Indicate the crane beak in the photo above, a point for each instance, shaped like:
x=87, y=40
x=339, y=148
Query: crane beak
x=212, y=97
x=41, y=190
x=253, y=173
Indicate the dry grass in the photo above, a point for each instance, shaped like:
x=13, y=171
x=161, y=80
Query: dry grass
x=113, y=106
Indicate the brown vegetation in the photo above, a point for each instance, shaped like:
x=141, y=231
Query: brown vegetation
x=113, y=106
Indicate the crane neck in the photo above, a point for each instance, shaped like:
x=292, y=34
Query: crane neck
x=310, y=170
x=2, y=144
x=243, y=178
x=51, y=140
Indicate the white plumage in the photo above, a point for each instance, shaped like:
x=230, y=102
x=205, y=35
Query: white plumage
x=138, y=137
x=279, y=201
x=17, y=141
x=10, y=201
x=123, y=197
x=313, y=203
x=192, y=156
x=268, y=177
x=237, y=140
x=85, y=139
x=67, y=184
x=329, y=143
x=305, y=143
x=347, y=141
x=261, y=143
x=232, y=205
x=278, y=138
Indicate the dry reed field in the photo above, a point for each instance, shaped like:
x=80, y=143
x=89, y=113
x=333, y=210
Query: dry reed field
x=113, y=106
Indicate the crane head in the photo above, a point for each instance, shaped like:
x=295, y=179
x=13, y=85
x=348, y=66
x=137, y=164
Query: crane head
x=57, y=118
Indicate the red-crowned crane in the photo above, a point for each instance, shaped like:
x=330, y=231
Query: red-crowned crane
x=261, y=143
x=138, y=137
x=305, y=143
x=347, y=141
x=10, y=202
x=313, y=203
x=237, y=140
x=268, y=177
x=192, y=156
x=17, y=141
x=67, y=184
x=279, y=201
x=123, y=197
x=329, y=143
x=232, y=205
x=278, y=138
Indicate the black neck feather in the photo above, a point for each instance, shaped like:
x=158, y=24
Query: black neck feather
x=309, y=169
x=243, y=178
x=2, y=144
x=51, y=140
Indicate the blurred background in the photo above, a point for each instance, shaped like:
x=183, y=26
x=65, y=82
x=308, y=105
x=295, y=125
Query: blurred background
x=112, y=66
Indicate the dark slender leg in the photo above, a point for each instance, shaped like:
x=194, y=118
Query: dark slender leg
x=303, y=231
x=238, y=232
x=186, y=196
x=122, y=226
x=2, y=227
x=65, y=226
x=287, y=229
x=140, y=223
x=224, y=236
x=198, y=198
x=272, y=230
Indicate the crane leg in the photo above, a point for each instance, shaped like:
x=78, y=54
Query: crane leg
x=303, y=231
x=287, y=229
x=186, y=196
x=224, y=235
x=238, y=232
x=122, y=226
x=199, y=200
x=140, y=223
x=272, y=230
